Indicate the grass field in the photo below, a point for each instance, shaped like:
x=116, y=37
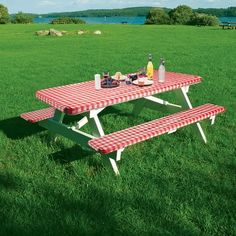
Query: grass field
x=169, y=185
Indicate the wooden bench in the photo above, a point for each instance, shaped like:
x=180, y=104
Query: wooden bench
x=117, y=141
x=36, y=116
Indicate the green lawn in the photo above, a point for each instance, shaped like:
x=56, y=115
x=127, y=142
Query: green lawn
x=169, y=185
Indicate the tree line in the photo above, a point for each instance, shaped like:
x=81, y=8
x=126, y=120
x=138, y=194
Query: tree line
x=139, y=11
x=181, y=15
x=230, y=11
x=134, y=11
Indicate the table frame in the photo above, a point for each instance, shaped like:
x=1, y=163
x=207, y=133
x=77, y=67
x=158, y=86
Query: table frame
x=56, y=126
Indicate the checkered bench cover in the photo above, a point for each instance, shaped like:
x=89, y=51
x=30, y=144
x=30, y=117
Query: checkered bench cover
x=36, y=116
x=121, y=139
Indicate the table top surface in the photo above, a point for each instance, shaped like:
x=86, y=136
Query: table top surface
x=82, y=97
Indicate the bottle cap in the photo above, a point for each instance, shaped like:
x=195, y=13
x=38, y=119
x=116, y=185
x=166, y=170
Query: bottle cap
x=162, y=61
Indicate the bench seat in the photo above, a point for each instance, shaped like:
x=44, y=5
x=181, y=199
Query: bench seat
x=229, y=25
x=36, y=116
x=121, y=139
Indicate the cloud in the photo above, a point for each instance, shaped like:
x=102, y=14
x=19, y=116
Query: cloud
x=91, y=4
x=77, y=2
x=46, y=3
x=45, y=6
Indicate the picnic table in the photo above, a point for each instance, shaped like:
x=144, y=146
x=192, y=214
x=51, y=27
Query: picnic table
x=83, y=99
x=228, y=25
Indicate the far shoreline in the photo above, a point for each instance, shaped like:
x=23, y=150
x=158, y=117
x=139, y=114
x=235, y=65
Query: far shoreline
x=133, y=20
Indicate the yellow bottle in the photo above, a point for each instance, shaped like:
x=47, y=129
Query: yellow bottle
x=150, y=67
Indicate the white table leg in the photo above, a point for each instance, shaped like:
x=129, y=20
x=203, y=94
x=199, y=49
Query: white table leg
x=99, y=126
x=58, y=117
x=94, y=122
x=94, y=115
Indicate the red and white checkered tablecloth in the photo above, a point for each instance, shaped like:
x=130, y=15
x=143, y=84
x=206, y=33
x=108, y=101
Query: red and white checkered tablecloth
x=77, y=98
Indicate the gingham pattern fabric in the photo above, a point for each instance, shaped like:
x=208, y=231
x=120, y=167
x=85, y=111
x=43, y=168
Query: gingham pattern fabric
x=78, y=98
x=121, y=139
x=35, y=116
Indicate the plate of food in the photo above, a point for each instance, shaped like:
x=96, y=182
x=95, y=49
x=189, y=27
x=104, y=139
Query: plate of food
x=119, y=76
x=143, y=81
x=109, y=83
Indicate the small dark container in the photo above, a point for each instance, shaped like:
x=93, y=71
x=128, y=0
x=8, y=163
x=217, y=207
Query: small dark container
x=133, y=77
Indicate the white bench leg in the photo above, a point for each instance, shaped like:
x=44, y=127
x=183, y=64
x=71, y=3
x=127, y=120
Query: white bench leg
x=118, y=154
x=201, y=132
x=186, y=98
x=114, y=166
x=212, y=118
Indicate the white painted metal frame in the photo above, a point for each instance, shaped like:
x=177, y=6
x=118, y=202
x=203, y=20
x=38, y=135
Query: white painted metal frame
x=93, y=114
x=92, y=118
x=187, y=100
x=213, y=118
x=114, y=166
x=161, y=101
x=115, y=157
x=118, y=155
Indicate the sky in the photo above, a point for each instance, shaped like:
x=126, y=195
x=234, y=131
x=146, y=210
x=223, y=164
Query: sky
x=47, y=6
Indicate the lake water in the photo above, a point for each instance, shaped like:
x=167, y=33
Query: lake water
x=103, y=20
x=138, y=20
x=228, y=19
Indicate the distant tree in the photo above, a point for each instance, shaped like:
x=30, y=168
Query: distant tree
x=212, y=11
x=181, y=15
x=67, y=20
x=202, y=19
x=231, y=11
x=157, y=16
x=22, y=18
x=4, y=15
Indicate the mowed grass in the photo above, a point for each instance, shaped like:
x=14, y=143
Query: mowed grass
x=169, y=185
